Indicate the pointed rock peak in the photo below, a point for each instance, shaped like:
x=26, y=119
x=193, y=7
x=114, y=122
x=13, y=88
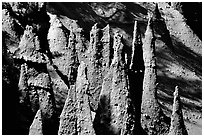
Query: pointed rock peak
x=156, y=13
x=95, y=26
x=23, y=80
x=135, y=31
x=177, y=123
x=176, y=92
x=54, y=21
x=106, y=34
x=94, y=30
x=29, y=47
x=176, y=103
x=36, y=127
x=94, y=35
x=107, y=27
x=149, y=25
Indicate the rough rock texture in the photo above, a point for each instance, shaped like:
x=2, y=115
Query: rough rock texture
x=31, y=50
x=64, y=61
x=122, y=119
x=12, y=30
x=29, y=47
x=115, y=114
x=84, y=118
x=177, y=124
x=94, y=68
x=99, y=59
x=62, y=48
x=106, y=51
x=153, y=120
x=68, y=118
x=36, y=127
x=43, y=45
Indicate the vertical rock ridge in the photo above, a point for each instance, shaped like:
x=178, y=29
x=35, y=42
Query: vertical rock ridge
x=84, y=118
x=68, y=118
x=177, y=123
x=153, y=119
x=121, y=121
x=94, y=68
x=23, y=85
x=106, y=47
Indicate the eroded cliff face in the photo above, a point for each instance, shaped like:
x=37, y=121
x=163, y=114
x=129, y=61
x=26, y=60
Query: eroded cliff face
x=71, y=81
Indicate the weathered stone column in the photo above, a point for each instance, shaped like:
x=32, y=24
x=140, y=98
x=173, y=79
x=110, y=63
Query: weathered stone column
x=177, y=123
x=84, y=119
x=122, y=113
x=94, y=67
x=152, y=116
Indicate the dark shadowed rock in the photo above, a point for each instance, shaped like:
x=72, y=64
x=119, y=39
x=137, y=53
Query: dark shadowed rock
x=153, y=119
x=68, y=118
x=36, y=127
x=103, y=113
x=135, y=76
x=159, y=27
x=177, y=123
x=84, y=118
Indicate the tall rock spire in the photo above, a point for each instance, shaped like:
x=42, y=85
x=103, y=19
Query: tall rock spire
x=152, y=116
x=177, y=124
x=122, y=112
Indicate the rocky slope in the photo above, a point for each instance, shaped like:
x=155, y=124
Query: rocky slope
x=100, y=68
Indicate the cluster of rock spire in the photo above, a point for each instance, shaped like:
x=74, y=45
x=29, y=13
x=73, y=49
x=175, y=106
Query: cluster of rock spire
x=106, y=95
